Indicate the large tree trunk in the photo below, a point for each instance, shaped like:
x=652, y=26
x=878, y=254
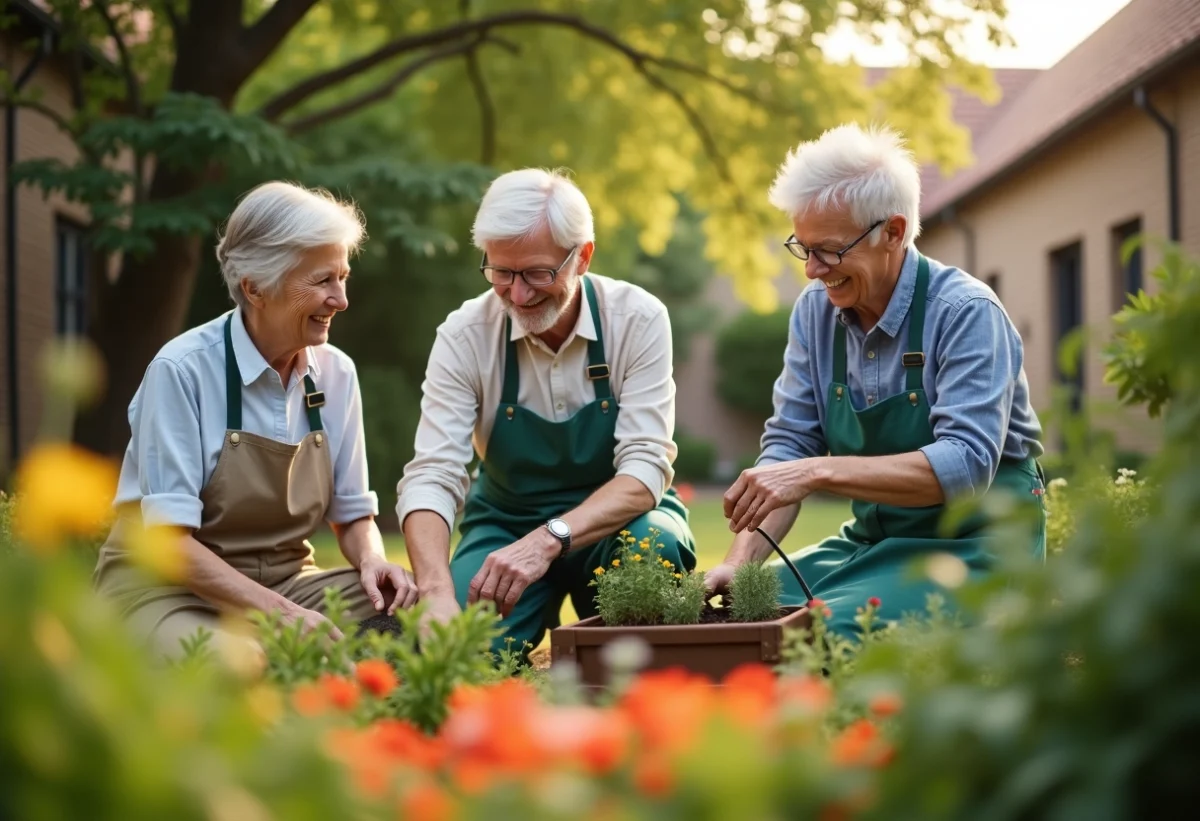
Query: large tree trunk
x=133, y=318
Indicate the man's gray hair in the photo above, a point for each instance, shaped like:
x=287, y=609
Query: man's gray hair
x=869, y=172
x=517, y=204
x=273, y=225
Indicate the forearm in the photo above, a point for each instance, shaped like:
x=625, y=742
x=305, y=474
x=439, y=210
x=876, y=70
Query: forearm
x=427, y=540
x=360, y=540
x=610, y=507
x=902, y=480
x=212, y=578
x=750, y=546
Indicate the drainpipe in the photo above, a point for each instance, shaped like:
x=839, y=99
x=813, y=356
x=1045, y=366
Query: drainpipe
x=950, y=215
x=1142, y=100
x=10, y=242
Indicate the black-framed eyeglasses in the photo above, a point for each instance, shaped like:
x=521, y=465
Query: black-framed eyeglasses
x=801, y=251
x=537, y=277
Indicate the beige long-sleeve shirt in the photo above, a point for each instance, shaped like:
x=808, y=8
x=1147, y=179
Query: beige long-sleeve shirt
x=465, y=375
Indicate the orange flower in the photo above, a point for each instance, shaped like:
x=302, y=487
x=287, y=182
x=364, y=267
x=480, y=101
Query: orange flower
x=427, y=801
x=309, y=699
x=750, y=694
x=341, y=692
x=662, y=706
x=63, y=491
x=859, y=745
x=808, y=692
x=598, y=740
x=886, y=704
x=400, y=741
x=819, y=606
x=376, y=676
x=653, y=777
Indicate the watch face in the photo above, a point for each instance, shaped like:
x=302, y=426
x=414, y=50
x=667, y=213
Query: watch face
x=559, y=528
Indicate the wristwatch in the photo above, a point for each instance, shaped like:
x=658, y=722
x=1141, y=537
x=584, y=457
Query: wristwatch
x=561, y=531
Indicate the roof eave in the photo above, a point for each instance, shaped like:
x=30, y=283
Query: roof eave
x=1123, y=94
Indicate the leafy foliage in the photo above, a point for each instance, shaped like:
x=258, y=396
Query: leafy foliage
x=755, y=592
x=749, y=357
x=641, y=587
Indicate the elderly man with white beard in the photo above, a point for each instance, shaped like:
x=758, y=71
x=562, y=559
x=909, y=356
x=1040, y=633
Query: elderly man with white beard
x=560, y=380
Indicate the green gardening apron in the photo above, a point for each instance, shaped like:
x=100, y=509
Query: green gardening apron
x=535, y=469
x=874, y=553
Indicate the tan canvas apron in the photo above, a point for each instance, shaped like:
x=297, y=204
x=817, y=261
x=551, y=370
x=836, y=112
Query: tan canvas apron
x=260, y=506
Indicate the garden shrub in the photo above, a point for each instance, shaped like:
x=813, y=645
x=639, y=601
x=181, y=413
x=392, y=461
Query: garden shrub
x=696, y=459
x=641, y=587
x=749, y=358
x=755, y=592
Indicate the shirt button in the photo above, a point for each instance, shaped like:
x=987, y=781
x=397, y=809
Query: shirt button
x=870, y=354
x=870, y=399
x=559, y=406
x=555, y=366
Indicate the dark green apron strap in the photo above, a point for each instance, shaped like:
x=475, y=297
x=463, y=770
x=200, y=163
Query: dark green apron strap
x=313, y=400
x=233, y=382
x=512, y=377
x=597, y=369
x=839, y=352
x=914, y=358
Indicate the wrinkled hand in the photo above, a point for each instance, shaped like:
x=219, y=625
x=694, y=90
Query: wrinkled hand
x=387, y=585
x=507, y=572
x=718, y=579
x=311, y=619
x=762, y=489
x=439, y=608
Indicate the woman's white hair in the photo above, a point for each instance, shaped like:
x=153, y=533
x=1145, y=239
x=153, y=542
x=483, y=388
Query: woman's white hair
x=869, y=172
x=273, y=225
x=517, y=204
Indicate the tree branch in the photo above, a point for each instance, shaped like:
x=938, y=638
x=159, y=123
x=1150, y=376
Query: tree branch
x=698, y=125
x=381, y=91
x=131, y=81
x=487, y=111
x=268, y=31
x=173, y=19
x=298, y=93
x=34, y=105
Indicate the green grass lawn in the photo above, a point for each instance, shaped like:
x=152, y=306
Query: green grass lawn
x=818, y=519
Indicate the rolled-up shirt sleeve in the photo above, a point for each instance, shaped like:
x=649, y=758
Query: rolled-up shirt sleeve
x=353, y=498
x=165, y=423
x=645, y=448
x=978, y=366
x=436, y=478
x=794, y=430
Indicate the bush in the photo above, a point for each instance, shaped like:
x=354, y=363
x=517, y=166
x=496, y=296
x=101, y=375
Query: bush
x=749, y=357
x=696, y=460
x=641, y=587
x=755, y=592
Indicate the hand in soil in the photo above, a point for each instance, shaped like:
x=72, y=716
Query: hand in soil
x=440, y=609
x=717, y=580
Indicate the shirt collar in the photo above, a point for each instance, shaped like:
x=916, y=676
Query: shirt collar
x=901, y=300
x=252, y=364
x=584, y=326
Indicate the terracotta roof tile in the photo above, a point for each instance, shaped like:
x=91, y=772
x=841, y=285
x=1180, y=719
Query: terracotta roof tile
x=1138, y=39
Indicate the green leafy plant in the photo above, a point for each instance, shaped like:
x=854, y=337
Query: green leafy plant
x=749, y=357
x=641, y=587
x=755, y=592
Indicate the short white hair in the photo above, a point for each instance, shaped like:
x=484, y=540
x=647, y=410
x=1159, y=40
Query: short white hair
x=519, y=203
x=275, y=223
x=869, y=172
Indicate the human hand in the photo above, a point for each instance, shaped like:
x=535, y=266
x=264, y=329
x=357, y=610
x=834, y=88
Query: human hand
x=310, y=619
x=507, y=572
x=439, y=608
x=717, y=579
x=760, y=490
x=380, y=577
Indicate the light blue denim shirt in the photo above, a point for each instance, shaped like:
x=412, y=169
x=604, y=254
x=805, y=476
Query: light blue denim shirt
x=974, y=376
x=177, y=422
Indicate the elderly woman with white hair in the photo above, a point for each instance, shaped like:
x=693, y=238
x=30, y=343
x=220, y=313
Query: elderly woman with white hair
x=902, y=389
x=559, y=379
x=247, y=434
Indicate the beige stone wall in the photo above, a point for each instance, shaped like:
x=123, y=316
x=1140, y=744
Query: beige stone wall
x=1113, y=171
x=36, y=136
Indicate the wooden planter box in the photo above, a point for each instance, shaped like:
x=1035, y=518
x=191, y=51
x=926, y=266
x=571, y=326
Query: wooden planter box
x=711, y=650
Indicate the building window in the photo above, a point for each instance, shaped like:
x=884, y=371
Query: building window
x=993, y=282
x=1127, y=272
x=71, y=279
x=1066, y=277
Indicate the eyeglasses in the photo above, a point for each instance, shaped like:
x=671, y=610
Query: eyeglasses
x=537, y=277
x=801, y=251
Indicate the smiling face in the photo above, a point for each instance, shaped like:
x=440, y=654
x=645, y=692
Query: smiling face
x=538, y=308
x=865, y=278
x=298, y=313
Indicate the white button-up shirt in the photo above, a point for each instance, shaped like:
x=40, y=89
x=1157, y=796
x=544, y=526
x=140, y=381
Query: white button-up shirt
x=177, y=422
x=465, y=378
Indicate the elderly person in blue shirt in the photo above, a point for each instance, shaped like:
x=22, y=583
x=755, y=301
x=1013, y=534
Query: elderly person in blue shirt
x=247, y=434
x=902, y=389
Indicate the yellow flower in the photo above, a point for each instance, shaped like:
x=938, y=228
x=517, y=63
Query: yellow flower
x=644, y=544
x=157, y=549
x=636, y=557
x=667, y=564
x=599, y=571
x=624, y=533
x=63, y=491
x=616, y=562
x=679, y=575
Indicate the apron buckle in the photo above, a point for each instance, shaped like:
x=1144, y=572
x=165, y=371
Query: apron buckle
x=598, y=371
x=913, y=360
x=315, y=399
